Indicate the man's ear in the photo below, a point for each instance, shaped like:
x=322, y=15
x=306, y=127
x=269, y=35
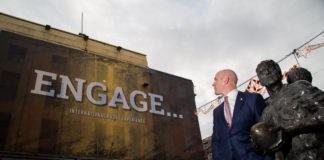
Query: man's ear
x=226, y=80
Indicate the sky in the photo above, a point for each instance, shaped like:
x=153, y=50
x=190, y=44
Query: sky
x=193, y=39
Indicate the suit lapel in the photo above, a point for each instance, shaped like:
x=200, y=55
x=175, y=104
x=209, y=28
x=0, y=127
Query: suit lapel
x=222, y=113
x=238, y=106
x=223, y=119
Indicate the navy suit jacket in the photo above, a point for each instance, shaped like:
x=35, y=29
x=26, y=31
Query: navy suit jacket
x=235, y=143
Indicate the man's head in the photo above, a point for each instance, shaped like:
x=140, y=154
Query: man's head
x=299, y=74
x=224, y=81
x=269, y=72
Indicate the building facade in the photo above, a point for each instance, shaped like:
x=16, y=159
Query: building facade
x=68, y=96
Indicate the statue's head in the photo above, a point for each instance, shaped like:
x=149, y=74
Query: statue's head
x=269, y=72
x=299, y=74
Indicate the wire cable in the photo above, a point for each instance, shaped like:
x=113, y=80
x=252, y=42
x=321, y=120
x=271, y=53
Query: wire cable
x=291, y=53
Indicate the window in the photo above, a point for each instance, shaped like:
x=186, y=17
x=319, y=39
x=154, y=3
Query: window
x=4, y=125
x=58, y=63
x=9, y=85
x=48, y=136
x=17, y=53
x=53, y=101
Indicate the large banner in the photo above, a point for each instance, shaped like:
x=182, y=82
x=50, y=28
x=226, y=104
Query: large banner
x=60, y=101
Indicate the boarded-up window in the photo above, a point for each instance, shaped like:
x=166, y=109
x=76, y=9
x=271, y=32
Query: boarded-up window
x=54, y=101
x=9, y=85
x=59, y=63
x=48, y=136
x=4, y=126
x=17, y=53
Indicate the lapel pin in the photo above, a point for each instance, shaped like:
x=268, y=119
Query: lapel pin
x=241, y=99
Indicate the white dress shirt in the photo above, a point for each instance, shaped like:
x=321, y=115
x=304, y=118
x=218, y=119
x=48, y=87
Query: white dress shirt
x=231, y=100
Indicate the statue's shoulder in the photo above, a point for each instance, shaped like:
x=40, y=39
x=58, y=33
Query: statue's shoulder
x=303, y=87
x=306, y=95
x=300, y=83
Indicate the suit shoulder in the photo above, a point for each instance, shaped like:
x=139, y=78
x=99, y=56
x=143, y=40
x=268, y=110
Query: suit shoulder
x=218, y=108
x=250, y=95
x=253, y=97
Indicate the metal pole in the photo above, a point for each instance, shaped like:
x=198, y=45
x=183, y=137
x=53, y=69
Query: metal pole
x=296, y=60
x=82, y=22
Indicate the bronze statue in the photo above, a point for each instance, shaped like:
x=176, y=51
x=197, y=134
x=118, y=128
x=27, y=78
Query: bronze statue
x=299, y=74
x=292, y=125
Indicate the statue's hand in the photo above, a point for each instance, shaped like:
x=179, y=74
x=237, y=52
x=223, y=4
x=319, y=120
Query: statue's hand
x=255, y=147
x=267, y=137
x=280, y=140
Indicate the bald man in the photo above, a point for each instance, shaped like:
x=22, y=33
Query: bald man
x=233, y=119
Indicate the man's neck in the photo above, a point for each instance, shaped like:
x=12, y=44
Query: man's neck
x=229, y=91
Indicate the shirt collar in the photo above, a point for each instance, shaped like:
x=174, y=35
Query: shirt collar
x=232, y=94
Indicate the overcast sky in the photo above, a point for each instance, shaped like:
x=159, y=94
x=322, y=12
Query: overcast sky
x=192, y=38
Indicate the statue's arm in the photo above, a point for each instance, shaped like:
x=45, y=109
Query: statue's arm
x=310, y=124
x=312, y=99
